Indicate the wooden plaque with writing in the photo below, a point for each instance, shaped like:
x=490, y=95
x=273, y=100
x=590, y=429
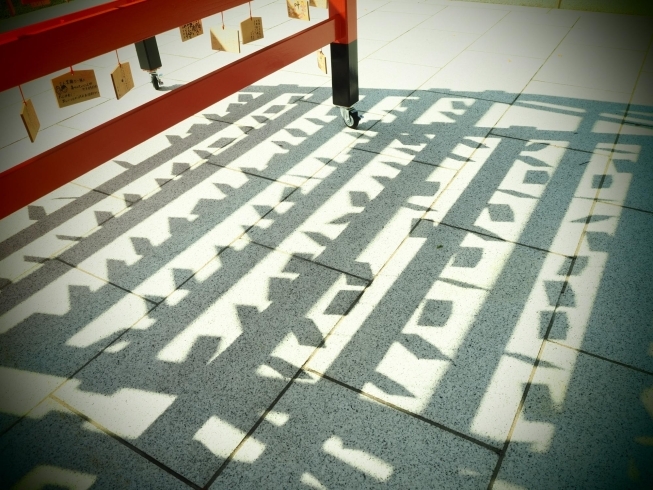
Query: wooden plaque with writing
x=191, y=30
x=321, y=4
x=251, y=29
x=122, y=79
x=298, y=9
x=30, y=119
x=223, y=39
x=322, y=61
x=76, y=87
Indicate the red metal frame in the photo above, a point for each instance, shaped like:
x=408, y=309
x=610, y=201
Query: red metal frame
x=77, y=37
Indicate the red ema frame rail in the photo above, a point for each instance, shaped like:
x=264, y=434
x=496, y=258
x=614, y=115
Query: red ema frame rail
x=43, y=48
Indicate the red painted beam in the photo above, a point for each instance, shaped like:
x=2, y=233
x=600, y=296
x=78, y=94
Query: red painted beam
x=344, y=11
x=43, y=48
x=22, y=184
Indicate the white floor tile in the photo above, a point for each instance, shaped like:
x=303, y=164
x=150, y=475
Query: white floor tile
x=463, y=19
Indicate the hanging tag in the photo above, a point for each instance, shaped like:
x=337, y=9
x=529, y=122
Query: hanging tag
x=321, y=4
x=73, y=88
x=322, y=61
x=30, y=119
x=225, y=40
x=122, y=79
x=298, y=9
x=251, y=29
x=191, y=30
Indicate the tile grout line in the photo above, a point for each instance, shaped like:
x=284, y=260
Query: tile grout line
x=545, y=338
x=421, y=418
x=604, y=201
x=124, y=442
x=607, y=359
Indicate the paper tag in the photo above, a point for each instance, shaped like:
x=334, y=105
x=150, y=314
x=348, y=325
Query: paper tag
x=76, y=87
x=251, y=29
x=321, y=4
x=225, y=40
x=122, y=79
x=30, y=119
x=298, y=9
x=322, y=61
x=191, y=30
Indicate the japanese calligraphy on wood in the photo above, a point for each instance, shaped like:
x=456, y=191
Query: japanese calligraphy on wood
x=191, y=30
x=76, y=87
x=298, y=9
x=223, y=39
x=30, y=119
x=251, y=29
x=122, y=79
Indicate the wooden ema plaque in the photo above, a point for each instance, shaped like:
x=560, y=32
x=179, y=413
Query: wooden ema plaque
x=251, y=29
x=322, y=61
x=30, y=120
x=73, y=88
x=191, y=30
x=321, y=4
x=122, y=79
x=298, y=9
x=225, y=40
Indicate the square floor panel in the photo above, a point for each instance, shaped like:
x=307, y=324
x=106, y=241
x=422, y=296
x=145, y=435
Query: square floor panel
x=589, y=414
x=450, y=329
x=191, y=379
x=487, y=76
x=54, y=448
x=323, y=435
x=464, y=19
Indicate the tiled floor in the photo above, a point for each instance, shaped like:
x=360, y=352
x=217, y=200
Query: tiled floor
x=459, y=294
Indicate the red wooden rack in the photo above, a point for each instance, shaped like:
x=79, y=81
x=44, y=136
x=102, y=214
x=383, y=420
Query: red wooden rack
x=43, y=48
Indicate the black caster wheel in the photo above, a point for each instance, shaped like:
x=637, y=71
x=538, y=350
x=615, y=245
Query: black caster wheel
x=156, y=81
x=351, y=117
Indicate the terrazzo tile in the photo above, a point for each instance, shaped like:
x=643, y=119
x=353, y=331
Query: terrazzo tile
x=488, y=76
x=608, y=305
x=355, y=212
x=464, y=19
x=297, y=141
x=239, y=329
x=448, y=309
x=643, y=94
x=324, y=436
x=521, y=39
x=50, y=224
x=596, y=67
x=56, y=448
x=161, y=241
x=589, y=414
x=533, y=193
x=52, y=322
x=433, y=128
x=425, y=47
x=386, y=26
x=411, y=7
x=556, y=17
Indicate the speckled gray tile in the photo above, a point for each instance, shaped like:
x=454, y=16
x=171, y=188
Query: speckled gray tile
x=52, y=321
x=584, y=425
x=608, y=306
x=292, y=146
x=433, y=128
x=161, y=241
x=355, y=212
x=322, y=435
x=47, y=226
x=532, y=192
x=450, y=329
x=53, y=447
x=189, y=381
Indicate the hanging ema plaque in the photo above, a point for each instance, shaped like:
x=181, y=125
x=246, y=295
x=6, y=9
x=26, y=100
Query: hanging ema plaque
x=191, y=30
x=122, y=79
x=321, y=4
x=225, y=39
x=30, y=120
x=251, y=29
x=322, y=61
x=298, y=9
x=75, y=87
